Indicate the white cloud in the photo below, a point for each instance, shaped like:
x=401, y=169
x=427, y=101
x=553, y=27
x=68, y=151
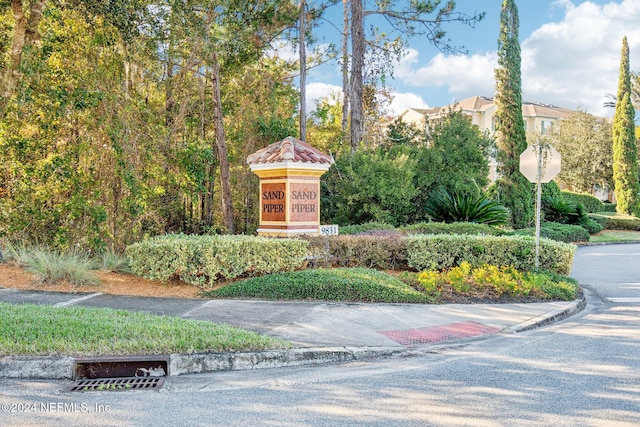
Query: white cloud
x=463, y=75
x=572, y=63
x=402, y=101
x=575, y=62
x=285, y=50
x=317, y=91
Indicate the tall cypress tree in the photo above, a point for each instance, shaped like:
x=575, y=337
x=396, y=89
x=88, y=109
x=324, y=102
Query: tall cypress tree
x=514, y=190
x=625, y=150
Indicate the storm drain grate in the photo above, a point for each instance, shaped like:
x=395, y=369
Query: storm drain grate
x=436, y=334
x=117, y=384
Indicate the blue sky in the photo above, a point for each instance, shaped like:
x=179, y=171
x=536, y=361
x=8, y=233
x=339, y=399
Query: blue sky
x=570, y=56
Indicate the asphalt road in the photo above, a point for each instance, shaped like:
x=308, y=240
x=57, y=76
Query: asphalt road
x=584, y=371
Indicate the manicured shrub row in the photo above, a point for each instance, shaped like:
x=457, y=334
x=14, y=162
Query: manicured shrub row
x=364, y=228
x=446, y=251
x=439, y=251
x=201, y=260
x=631, y=224
x=568, y=233
x=452, y=228
x=590, y=203
x=609, y=207
x=386, y=252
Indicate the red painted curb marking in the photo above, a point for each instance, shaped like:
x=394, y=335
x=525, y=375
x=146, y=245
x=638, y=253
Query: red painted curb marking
x=434, y=334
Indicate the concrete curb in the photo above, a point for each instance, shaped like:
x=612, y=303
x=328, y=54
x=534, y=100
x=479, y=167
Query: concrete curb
x=551, y=317
x=181, y=364
x=36, y=367
x=62, y=367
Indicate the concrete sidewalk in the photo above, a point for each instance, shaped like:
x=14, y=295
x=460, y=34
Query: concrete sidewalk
x=320, y=331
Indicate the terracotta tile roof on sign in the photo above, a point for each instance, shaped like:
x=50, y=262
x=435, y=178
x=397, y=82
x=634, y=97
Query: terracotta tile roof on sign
x=289, y=148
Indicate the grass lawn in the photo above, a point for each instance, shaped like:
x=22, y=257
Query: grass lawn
x=619, y=228
x=78, y=331
x=367, y=285
x=333, y=284
x=615, y=236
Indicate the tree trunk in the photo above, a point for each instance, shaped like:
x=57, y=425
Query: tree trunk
x=303, y=72
x=346, y=90
x=24, y=34
x=357, y=64
x=221, y=145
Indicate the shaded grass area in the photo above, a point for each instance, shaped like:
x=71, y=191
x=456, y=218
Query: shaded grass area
x=44, y=330
x=336, y=284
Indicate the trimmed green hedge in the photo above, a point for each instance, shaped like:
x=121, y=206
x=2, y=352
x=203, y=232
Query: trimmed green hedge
x=439, y=251
x=631, y=224
x=366, y=227
x=616, y=222
x=446, y=251
x=201, y=260
x=591, y=204
x=382, y=251
x=568, y=233
x=452, y=228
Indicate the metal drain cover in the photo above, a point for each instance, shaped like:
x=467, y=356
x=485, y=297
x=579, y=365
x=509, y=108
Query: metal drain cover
x=117, y=384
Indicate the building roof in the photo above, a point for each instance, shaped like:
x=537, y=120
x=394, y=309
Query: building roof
x=531, y=109
x=480, y=103
x=289, y=149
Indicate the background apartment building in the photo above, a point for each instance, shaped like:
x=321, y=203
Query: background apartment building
x=481, y=110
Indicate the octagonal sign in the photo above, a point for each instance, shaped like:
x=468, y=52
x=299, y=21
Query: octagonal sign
x=542, y=160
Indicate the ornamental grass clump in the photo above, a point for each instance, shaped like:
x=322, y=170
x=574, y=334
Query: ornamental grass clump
x=74, y=267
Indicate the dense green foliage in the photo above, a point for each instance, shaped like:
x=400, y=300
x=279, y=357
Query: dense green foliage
x=338, y=284
x=393, y=182
x=201, y=260
x=445, y=207
x=625, y=149
x=78, y=331
x=108, y=137
x=590, y=203
x=452, y=228
x=567, y=208
x=584, y=141
x=561, y=210
x=369, y=186
x=454, y=141
x=514, y=191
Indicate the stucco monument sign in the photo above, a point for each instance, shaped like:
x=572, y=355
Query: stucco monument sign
x=289, y=172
